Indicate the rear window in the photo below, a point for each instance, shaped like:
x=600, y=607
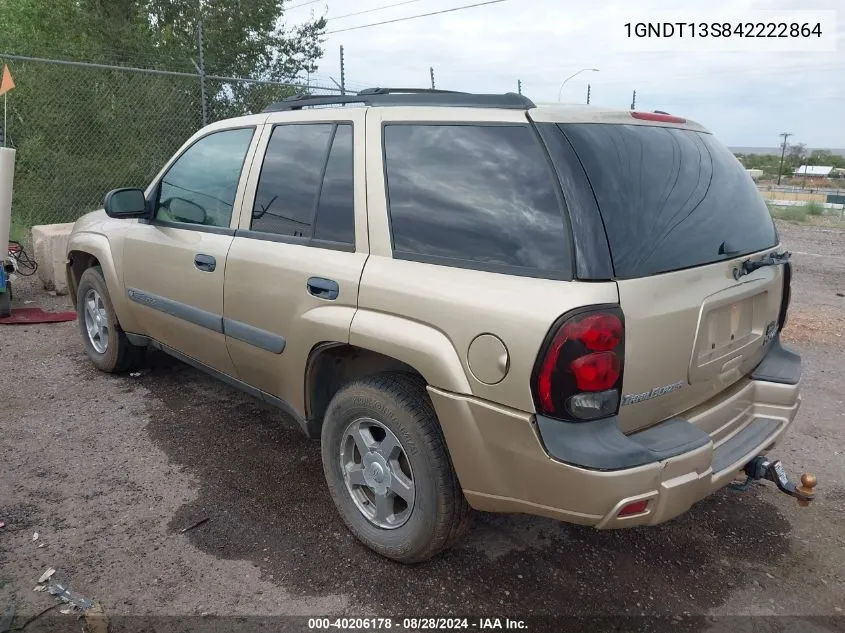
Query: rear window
x=475, y=196
x=670, y=198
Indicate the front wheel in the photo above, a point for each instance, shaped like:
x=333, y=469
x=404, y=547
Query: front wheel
x=388, y=468
x=105, y=343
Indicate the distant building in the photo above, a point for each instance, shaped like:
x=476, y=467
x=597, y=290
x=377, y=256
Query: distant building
x=754, y=173
x=815, y=171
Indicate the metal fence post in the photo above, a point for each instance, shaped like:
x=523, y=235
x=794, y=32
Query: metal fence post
x=342, y=73
x=202, y=73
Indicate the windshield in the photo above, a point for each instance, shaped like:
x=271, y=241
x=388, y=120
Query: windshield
x=670, y=198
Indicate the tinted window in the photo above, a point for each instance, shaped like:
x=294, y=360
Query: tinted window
x=336, y=210
x=200, y=187
x=670, y=198
x=290, y=179
x=474, y=193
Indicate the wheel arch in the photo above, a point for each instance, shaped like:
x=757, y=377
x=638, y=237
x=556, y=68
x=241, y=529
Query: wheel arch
x=331, y=365
x=379, y=343
x=78, y=261
x=86, y=250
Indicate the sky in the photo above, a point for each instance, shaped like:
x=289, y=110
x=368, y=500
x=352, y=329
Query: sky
x=746, y=98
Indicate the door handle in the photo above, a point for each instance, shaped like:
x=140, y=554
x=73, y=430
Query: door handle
x=205, y=263
x=323, y=288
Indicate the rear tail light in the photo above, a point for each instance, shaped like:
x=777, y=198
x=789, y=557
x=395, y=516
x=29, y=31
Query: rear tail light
x=596, y=372
x=578, y=375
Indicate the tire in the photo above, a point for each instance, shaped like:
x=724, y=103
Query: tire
x=6, y=301
x=439, y=514
x=115, y=354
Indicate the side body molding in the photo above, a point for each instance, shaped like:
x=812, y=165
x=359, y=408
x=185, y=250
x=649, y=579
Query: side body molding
x=263, y=339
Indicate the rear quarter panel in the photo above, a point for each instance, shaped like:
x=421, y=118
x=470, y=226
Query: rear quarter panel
x=427, y=316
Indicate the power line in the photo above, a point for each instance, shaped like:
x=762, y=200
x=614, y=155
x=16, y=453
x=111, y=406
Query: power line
x=413, y=17
x=387, y=6
x=302, y=4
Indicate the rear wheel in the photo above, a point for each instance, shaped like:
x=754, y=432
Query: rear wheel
x=388, y=468
x=105, y=343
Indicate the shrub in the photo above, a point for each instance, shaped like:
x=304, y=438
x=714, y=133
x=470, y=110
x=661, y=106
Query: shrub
x=814, y=208
x=790, y=214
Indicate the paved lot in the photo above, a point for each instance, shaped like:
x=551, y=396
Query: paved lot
x=108, y=469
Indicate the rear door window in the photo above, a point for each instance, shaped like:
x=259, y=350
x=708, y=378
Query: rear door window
x=305, y=189
x=670, y=198
x=475, y=196
x=335, y=221
x=290, y=179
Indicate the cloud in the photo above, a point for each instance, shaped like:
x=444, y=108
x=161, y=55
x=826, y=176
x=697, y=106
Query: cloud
x=746, y=98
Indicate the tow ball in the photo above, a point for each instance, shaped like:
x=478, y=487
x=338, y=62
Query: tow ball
x=762, y=468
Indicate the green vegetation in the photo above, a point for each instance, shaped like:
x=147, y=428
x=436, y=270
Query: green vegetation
x=812, y=213
x=791, y=214
x=80, y=131
x=796, y=155
x=814, y=208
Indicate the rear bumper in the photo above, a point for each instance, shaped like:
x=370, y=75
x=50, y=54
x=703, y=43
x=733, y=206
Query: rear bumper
x=506, y=461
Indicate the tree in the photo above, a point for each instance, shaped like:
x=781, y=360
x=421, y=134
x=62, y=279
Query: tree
x=82, y=131
x=243, y=38
x=826, y=157
x=769, y=163
x=796, y=155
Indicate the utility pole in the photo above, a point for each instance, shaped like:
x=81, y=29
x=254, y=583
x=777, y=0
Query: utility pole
x=519, y=86
x=588, y=94
x=785, y=136
x=634, y=101
x=431, y=71
x=201, y=69
x=342, y=73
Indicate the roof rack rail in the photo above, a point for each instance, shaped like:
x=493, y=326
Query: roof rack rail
x=388, y=91
x=407, y=97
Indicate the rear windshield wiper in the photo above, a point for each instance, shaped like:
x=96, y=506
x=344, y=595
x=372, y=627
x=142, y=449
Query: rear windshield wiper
x=772, y=259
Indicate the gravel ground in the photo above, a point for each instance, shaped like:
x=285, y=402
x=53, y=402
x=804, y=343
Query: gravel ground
x=109, y=469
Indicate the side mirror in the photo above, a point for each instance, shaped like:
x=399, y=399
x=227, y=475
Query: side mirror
x=126, y=203
x=182, y=210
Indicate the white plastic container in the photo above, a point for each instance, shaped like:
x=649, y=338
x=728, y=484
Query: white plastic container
x=7, y=176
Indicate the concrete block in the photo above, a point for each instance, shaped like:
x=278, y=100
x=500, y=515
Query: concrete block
x=49, y=241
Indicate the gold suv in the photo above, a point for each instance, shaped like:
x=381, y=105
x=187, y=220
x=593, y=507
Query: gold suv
x=470, y=300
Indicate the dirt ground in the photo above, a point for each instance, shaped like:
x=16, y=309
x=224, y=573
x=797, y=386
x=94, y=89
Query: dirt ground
x=108, y=470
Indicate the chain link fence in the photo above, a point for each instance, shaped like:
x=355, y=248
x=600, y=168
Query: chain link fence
x=82, y=129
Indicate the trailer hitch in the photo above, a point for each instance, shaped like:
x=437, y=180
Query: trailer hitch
x=762, y=468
